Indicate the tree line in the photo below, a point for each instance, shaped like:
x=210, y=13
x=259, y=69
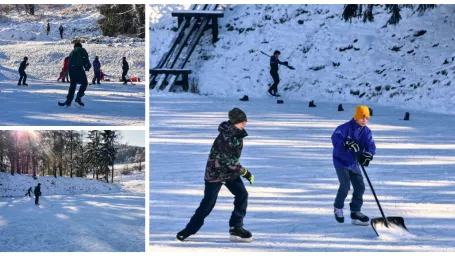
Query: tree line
x=59, y=153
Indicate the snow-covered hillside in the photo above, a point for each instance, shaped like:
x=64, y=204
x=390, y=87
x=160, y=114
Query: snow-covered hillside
x=25, y=35
x=16, y=185
x=410, y=64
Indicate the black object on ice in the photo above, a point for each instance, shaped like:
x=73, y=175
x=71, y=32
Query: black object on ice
x=371, y=111
x=406, y=116
x=245, y=98
x=340, y=108
x=280, y=102
x=311, y=105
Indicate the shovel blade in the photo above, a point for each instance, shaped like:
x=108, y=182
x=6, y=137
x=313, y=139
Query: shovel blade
x=391, y=221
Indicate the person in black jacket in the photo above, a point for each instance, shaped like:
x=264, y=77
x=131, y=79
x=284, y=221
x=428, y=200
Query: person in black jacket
x=48, y=28
x=37, y=193
x=224, y=168
x=274, y=61
x=125, y=68
x=22, y=74
x=60, y=29
x=78, y=64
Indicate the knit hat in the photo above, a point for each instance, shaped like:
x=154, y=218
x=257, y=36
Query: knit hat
x=237, y=116
x=77, y=44
x=361, y=111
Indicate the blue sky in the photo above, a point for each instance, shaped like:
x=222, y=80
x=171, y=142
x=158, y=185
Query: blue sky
x=134, y=138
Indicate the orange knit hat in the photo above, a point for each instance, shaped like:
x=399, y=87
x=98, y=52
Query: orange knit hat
x=361, y=111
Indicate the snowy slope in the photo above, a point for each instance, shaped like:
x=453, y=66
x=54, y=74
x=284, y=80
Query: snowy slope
x=106, y=104
x=16, y=185
x=290, y=206
x=77, y=20
x=313, y=39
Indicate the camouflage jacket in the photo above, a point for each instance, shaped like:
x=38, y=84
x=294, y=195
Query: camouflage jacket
x=223, y=163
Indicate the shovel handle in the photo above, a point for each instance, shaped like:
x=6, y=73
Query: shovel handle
x=372, y=190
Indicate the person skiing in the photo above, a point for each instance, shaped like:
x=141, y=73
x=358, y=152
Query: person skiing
x=274, y=61
x=37, y=193
x=22, y=74
x=125, y=68
x=78, y=63
x=60, y=29
x=223, y=168
x=353, y=144
x=48, y=28
x=29, y=191
x=96, y=70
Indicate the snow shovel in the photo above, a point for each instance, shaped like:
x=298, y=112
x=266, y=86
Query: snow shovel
x=290, y=67
x=388, y=222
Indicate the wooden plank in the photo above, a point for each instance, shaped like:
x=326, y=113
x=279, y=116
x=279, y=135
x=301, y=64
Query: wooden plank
x=198, y=14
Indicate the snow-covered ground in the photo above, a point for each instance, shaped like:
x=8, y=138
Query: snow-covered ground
x=106, y=218
x=334, y=59
x=290, y=153
x=107, y=104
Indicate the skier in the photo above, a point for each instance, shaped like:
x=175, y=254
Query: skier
x=37, y=193
x=353, y=144
x=223, y=168
x=60, y=29
x=78, y=63
x=29, y=191
x=274, y=61
x=96, y=70
x=125, y=68
x=22, y=74
x=48, y=28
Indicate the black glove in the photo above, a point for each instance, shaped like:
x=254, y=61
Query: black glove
x=365, y=158
x=351, y=145
x=285, y=63
x=88, y=66
x=247, y=175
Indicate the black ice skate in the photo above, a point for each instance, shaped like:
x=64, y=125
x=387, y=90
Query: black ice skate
x=239, y=234
x=339, y=215
x=358, y=218
x=182, y=235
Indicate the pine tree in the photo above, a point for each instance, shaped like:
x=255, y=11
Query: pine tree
x=365, y=11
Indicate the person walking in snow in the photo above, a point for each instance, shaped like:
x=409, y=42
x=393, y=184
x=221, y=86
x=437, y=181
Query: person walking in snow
x=353, y=144
x=96, y=70
x=22, y=74
x=274, y=61
x=60, y=29
x=48, y=28
x=223, y=168
x=37, y=193
x=65, y=70
x=78, y=63
x=125, y=68
x=29, y=191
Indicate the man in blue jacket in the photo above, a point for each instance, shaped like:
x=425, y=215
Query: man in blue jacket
x=353, y=144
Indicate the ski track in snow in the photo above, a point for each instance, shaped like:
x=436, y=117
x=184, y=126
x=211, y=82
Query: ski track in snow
x=107, y=104
x=290, y=153
x=68, y=223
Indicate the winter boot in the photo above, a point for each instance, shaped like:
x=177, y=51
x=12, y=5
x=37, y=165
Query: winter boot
x=79, y=102
x=339, y=215
x=357, y=218
x=311, y=104
x=270, y=92
x=239, y=234
x=182, y=235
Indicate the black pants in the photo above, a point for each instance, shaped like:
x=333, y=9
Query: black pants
x=61, y=35
x=97, y=77
x=276, y=81
x=124, y=76
x=77, y=76
x=23, y=77
x=211, y=191
x=36, y=199
x=28, y=193
x=346, y=178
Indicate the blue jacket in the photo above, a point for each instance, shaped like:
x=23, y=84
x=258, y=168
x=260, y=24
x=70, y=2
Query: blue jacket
x=96, y=65
x=351, y=131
